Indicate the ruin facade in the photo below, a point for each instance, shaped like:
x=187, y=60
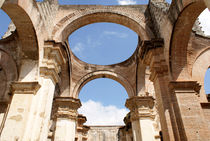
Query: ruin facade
x=40, y=77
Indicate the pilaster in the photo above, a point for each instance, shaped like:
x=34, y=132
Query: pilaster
x=20, y=110
x=153, y=56
x=189, y=113
x=65, y=115
x=50, y=67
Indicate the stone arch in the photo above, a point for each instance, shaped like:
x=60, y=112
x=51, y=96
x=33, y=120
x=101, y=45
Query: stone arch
x=8, y=74
x=24, y=26
x=103, y=74
x=199, y=69
x=74, y=21
x=180, y=38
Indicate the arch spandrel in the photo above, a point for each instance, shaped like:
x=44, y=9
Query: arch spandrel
x=123, y=72
x=129, y=17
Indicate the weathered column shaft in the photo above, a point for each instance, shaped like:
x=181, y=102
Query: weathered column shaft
x=19, y=111
x=142, y=118
x=189, y=114
x=66, y=117
x=49, y=70
x=159, y=76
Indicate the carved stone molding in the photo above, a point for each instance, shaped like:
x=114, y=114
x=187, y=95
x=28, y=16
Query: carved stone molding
x=184, y=87
x=81, y=128
x=148, y=45
x=152, y=54
x=141, y=107
x=66, y=107
x=25, y=87
x=52, y=61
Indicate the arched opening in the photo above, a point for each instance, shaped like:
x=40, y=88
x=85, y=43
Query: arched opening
x=103, y=102
x=184, y=46
x=103, y=43
x=22, y=23
x=19, y=43
x=66, y=26
x=190, y=54
x=104, y=2
x=103, y=106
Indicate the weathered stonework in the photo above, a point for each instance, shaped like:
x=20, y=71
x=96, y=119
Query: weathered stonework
x=40, y=77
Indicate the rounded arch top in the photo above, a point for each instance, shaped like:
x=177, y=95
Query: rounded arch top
x=103, y=74
x=74, y=21
x=18, y=12
x=180, y=38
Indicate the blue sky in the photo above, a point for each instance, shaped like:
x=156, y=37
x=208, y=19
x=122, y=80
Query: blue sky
x=104, y=43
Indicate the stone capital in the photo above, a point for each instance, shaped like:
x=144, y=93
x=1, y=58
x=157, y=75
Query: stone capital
x=153, y=56
x=149, y=45
x=140, y=107
x=25, y=87
x=52, y=61
x=184, y=86
x=66, y=107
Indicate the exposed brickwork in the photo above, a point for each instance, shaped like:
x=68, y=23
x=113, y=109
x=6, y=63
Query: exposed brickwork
x=37, y=67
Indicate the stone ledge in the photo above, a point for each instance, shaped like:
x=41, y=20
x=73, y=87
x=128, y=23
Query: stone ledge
x=66, y=107
x=49, y=73
x=185, y=86
x=205, y=105
x=25, y=87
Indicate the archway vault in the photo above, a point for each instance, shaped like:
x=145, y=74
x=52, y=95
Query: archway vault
x=129, y=17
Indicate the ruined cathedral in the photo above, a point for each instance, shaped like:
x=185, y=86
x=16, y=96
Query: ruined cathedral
x=40, y=77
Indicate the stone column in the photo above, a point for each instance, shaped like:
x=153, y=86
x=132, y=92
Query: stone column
x=65, y=115
x=19, y=110
x=49, y=77
x=153, y=56
x=189, y=113
x=142, y=117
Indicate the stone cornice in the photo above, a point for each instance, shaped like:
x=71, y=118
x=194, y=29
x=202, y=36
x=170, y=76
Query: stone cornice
x=152, y=54
x=141, y=107
x=52, y=61
x=66, y=107
x=81, y=119
x=25, y=87
x=146, y=46
x=184, y=86
x=49, y=73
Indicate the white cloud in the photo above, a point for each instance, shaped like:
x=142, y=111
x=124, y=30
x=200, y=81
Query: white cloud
x=117, y=34
x=78, y=47
x=204, y=18
x=126, y=2
x=98, y=114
